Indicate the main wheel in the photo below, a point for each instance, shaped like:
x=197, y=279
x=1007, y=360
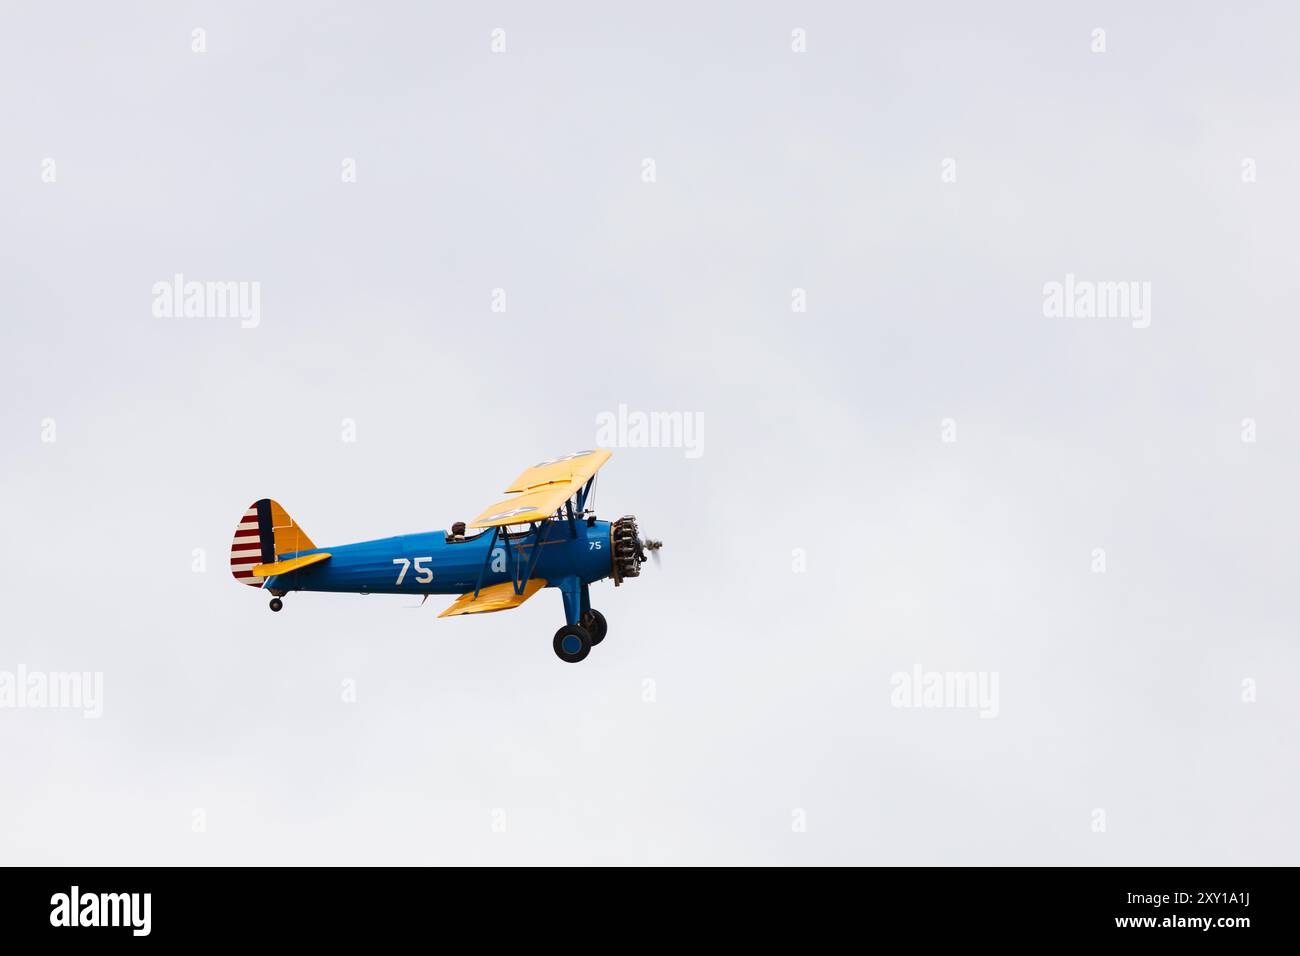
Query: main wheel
x=595, y=624
x=276, y=604
x=572, y=643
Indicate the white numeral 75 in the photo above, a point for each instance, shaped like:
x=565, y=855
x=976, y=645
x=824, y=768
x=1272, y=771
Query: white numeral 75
x=423, y=573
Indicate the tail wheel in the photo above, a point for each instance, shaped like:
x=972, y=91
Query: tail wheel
x=276, y=604
x=572, y=643
x=595, y=624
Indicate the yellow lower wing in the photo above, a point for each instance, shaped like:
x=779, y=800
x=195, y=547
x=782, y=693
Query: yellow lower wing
x=293, y=564
x=499, y=597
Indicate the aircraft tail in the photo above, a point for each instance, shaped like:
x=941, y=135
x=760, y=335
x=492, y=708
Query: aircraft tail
x=263, y=535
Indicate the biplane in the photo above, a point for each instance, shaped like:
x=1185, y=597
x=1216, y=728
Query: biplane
x=542, y=536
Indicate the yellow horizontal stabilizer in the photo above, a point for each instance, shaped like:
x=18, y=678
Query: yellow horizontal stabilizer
x=293, y=564
x=542, y=489
x=499, y=597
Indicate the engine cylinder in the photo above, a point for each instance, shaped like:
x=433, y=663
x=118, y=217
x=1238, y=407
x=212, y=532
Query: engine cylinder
x=625, y=547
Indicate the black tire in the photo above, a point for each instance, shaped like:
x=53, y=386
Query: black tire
x=572, y=643
x=276, y=604
x=595, y=624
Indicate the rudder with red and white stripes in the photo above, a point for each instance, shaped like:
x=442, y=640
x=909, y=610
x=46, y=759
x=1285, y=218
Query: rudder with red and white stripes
x=265, y=534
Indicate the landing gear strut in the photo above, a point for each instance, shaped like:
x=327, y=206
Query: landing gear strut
x=276, y=604
x=594, y=622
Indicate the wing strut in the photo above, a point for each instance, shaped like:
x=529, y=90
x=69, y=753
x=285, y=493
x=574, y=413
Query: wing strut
x=487, y=559
x=519, y=584
x=532, y=562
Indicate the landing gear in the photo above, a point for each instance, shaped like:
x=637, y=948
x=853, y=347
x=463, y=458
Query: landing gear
x=572, y=643
x=276, y=604
x=595, y=624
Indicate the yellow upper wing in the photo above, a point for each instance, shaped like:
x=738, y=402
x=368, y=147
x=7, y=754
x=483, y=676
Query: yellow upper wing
x=542, y=489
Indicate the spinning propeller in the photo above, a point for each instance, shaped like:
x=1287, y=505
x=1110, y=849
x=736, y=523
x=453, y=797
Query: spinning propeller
x=630, y=549
x=653, y=546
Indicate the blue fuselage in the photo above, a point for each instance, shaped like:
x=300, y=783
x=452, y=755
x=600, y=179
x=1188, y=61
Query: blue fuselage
x=427, y=563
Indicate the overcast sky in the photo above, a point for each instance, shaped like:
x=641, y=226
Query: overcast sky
x=907, y=464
